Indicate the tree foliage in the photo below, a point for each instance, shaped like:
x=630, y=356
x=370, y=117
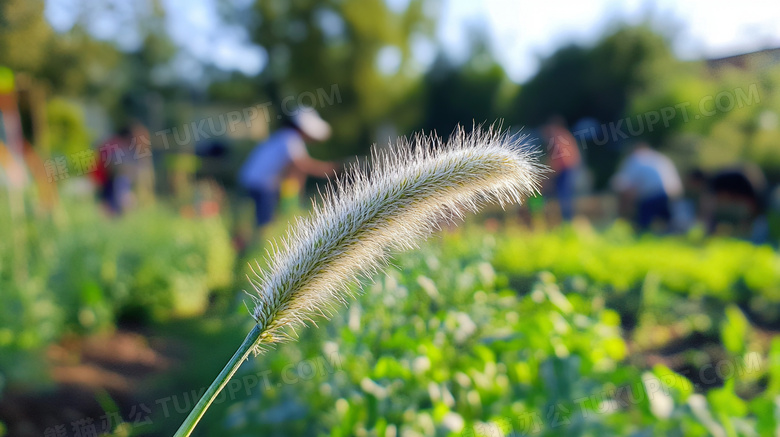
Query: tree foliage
x=363, y=47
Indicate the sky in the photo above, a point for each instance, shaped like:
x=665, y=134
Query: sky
x=520, y=31
x=523, y=31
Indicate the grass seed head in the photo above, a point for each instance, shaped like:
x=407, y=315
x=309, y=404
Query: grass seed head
x=408, y=192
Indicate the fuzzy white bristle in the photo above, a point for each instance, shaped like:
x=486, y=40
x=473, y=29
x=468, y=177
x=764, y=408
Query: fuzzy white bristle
x=413, y=187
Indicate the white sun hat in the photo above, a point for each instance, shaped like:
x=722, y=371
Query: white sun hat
x=309, y=122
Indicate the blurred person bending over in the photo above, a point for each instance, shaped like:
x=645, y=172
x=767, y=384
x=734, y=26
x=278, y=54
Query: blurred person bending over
x=113, y=175
x=738, y=204
x=648, y=180
x=283, y=151
x=564, y=158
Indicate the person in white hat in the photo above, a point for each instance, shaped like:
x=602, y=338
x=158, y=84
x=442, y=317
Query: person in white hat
x=262, y=173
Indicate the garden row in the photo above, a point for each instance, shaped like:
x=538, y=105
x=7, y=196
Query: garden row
x=77, y=272
x=450, y=344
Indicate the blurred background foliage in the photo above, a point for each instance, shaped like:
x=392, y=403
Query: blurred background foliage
x=367, y=49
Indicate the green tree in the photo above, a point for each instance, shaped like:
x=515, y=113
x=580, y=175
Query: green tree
x=24, y=35
x=599, y=83
x=722, y=116
x=577, y=82
x=476, y=91
x=361, y=47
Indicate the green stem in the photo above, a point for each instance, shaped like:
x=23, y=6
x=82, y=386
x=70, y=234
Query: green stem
x=219, y=383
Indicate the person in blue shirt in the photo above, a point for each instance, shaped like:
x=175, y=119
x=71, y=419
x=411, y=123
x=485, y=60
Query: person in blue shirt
x=650, y=180
x=262, y=173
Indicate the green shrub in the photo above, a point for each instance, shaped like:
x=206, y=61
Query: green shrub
x=80, y=271
x=729, y=270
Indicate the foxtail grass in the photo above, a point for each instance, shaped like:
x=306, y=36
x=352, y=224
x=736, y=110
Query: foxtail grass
x=408, y=192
